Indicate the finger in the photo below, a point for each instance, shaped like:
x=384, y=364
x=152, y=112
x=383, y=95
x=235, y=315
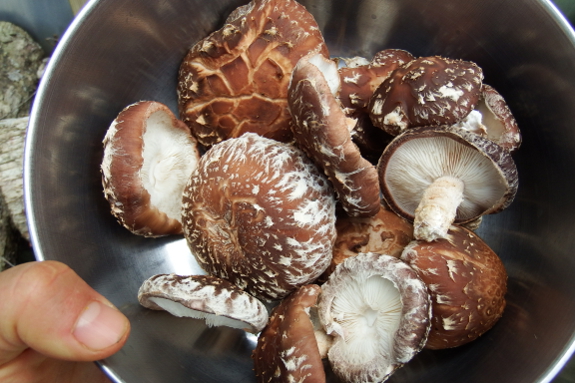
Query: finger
x=46, y=306
x=32, y=367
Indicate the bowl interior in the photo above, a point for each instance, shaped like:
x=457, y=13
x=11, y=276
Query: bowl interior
x=121, y=51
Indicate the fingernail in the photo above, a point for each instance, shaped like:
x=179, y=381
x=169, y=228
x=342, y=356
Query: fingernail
x=100, y=326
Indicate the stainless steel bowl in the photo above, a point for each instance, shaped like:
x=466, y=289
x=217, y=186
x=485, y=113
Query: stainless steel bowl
x=120, y=51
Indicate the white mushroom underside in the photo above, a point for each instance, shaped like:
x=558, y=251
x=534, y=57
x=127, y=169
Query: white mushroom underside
x=211, y=319
x=419, y=162
x=329, y=70
x=169, y=159
x=368, y=309
x=495, y=128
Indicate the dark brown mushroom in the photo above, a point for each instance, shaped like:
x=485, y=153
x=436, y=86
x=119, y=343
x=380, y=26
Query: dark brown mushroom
x=427, y=91
x=148, y=157
x=260, y=214
x=287, y=348
x=212, y=299
x=235, y=80
x=378, y=311
x=467, y=281
x=437, y=176
x=322, y=130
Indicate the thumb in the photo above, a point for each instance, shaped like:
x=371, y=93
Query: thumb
x=46, y=306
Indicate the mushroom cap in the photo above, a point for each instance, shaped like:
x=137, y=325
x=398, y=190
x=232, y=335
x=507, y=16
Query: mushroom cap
x=287, y=350
x=148, y=157
x=417, y=157
x=384, y=233
x=359, y=81
x=322, y=130
x=500, y=124
x=426, y=91
x=235, y=80
x=467, y=281
x=217, y=301
x=378, y=311
x=259, y=213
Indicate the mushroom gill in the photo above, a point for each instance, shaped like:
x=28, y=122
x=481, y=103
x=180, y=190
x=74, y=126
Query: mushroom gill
x=378, y=311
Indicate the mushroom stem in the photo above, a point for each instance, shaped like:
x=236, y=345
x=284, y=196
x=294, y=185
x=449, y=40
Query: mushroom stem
x=437, y=209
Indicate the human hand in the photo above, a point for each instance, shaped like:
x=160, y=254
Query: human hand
x=52, y=325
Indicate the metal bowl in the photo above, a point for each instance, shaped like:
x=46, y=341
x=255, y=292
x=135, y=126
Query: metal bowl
x=120, y=51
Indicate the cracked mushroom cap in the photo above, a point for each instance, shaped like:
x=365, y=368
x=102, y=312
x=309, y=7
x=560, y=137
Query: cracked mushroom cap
x=148, y=157
x=322, y=130
x=359, y=79
x=467, y=281
x=436, y=176
x=215, y=300
x=260, y=214
x=427, y=91
x=384, y=233
x=235, y=80
x=287, y=348
x=493, y=119
x=378, y=311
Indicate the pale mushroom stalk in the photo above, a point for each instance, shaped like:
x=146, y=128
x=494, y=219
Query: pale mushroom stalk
x=438, y=208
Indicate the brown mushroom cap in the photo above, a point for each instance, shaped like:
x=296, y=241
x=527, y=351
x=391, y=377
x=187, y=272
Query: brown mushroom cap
x=148, y=157
x=500, y=125
x=384, y=233
x=359, y=81
x=260, y=214
x=467, y=281
x=287, y=350
x=215, y=300
x=322, y=130
x=378, y=311
x=421, y=166
x=235, y=80
x=426, y=91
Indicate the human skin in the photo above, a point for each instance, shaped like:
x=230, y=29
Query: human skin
x=53, y=325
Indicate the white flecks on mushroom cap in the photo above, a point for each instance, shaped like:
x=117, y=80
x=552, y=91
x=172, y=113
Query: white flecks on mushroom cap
x=216, y=301
x=322, y=130
x=260, y=214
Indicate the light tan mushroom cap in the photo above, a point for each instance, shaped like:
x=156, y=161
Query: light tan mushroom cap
x=260, y=214
x=235, y=80
x=467, y=281
x=215, y=300
x=148, y=157
x=287, y=350
x=378, y=310
x=322, y=130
